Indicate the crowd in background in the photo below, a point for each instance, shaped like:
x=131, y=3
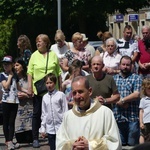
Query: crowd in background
x=118, y=72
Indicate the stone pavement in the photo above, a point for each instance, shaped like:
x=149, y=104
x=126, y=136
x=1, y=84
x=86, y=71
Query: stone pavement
x=43, y=143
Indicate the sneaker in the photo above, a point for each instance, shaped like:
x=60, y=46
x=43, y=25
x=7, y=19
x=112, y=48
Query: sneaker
x=36, y=144
x=10, y=145
x=17, y=145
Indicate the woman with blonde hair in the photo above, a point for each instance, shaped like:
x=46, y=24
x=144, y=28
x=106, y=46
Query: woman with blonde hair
x=60, y=48
x=144, y=114
x=42, y=62
x=61, y=45
x=103, y=37
x=77, y=52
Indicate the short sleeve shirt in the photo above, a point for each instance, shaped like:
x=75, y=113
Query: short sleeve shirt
x=104, y=87
x=10, y=95
x=37, y=66
x=127, y=49
x=145, y=105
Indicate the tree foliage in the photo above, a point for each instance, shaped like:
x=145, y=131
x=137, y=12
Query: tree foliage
x=40, y=16
x=6, y=31
x=74, y=12
x=17, y=9
x=20, y=8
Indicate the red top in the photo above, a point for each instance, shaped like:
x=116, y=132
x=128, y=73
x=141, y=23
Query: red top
x=144, y=57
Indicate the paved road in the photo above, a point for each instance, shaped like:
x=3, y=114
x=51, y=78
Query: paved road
x=43, y=143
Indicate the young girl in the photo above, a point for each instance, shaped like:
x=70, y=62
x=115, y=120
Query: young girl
x=145, y=112
x=54, y=105
x=9, y=100
x=66, y=85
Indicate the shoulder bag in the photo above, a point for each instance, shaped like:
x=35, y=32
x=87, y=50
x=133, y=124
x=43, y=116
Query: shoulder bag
x=40, y=84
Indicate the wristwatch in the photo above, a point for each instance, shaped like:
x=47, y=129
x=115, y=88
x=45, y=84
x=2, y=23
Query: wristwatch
x=122, y=100
x=105, y=101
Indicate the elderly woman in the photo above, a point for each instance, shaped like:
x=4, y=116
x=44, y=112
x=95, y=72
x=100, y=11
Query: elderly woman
x=77, y=52
x=103, y=37
x=41, y=59
x=111, y=57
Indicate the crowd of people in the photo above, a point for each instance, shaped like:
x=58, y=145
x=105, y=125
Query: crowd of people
x=94, y=99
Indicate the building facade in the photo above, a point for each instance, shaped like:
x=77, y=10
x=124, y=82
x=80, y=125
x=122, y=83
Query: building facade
x=117, y=21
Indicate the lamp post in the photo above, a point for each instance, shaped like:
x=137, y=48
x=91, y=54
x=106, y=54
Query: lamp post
x=59, y=13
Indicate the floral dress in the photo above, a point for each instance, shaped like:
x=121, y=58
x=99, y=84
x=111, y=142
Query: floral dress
x=25, y=112
x=81, y=55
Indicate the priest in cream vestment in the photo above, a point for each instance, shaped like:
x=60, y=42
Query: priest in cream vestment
x=89, y=125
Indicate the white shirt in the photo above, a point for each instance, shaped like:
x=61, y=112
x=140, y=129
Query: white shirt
x=54, y=106
x=60, y=52
x=111, y=61
x=145, y=105
x=10, y=95
x=123, y=50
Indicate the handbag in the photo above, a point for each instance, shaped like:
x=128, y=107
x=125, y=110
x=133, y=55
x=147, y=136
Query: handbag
x=40, y=84
x=24, y=137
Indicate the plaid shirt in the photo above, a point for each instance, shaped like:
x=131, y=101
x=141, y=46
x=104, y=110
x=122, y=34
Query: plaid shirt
x=126, y=86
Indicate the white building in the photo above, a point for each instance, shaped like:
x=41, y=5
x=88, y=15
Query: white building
x=136, y=20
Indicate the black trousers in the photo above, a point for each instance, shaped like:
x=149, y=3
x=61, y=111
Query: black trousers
x=36, y=120
x=9, y=116
x=52, y=141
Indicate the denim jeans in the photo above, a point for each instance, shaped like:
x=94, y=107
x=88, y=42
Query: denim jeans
x=129, y=132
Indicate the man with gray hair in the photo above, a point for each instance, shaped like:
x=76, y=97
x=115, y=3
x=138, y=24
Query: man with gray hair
x=144, y=55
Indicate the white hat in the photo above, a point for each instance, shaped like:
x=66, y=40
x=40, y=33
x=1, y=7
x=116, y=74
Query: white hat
x=7, y=59
x=84, y=37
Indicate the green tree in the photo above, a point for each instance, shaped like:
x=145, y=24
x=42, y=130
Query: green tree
x=15, y=8
x=40, y=16
x=6, y=31
x=79, y=13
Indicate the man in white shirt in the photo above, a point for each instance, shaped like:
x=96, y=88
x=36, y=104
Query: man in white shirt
x=127, y=46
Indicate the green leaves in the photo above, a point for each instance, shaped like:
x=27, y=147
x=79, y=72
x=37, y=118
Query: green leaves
x=17, y=8
x=7, y=27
